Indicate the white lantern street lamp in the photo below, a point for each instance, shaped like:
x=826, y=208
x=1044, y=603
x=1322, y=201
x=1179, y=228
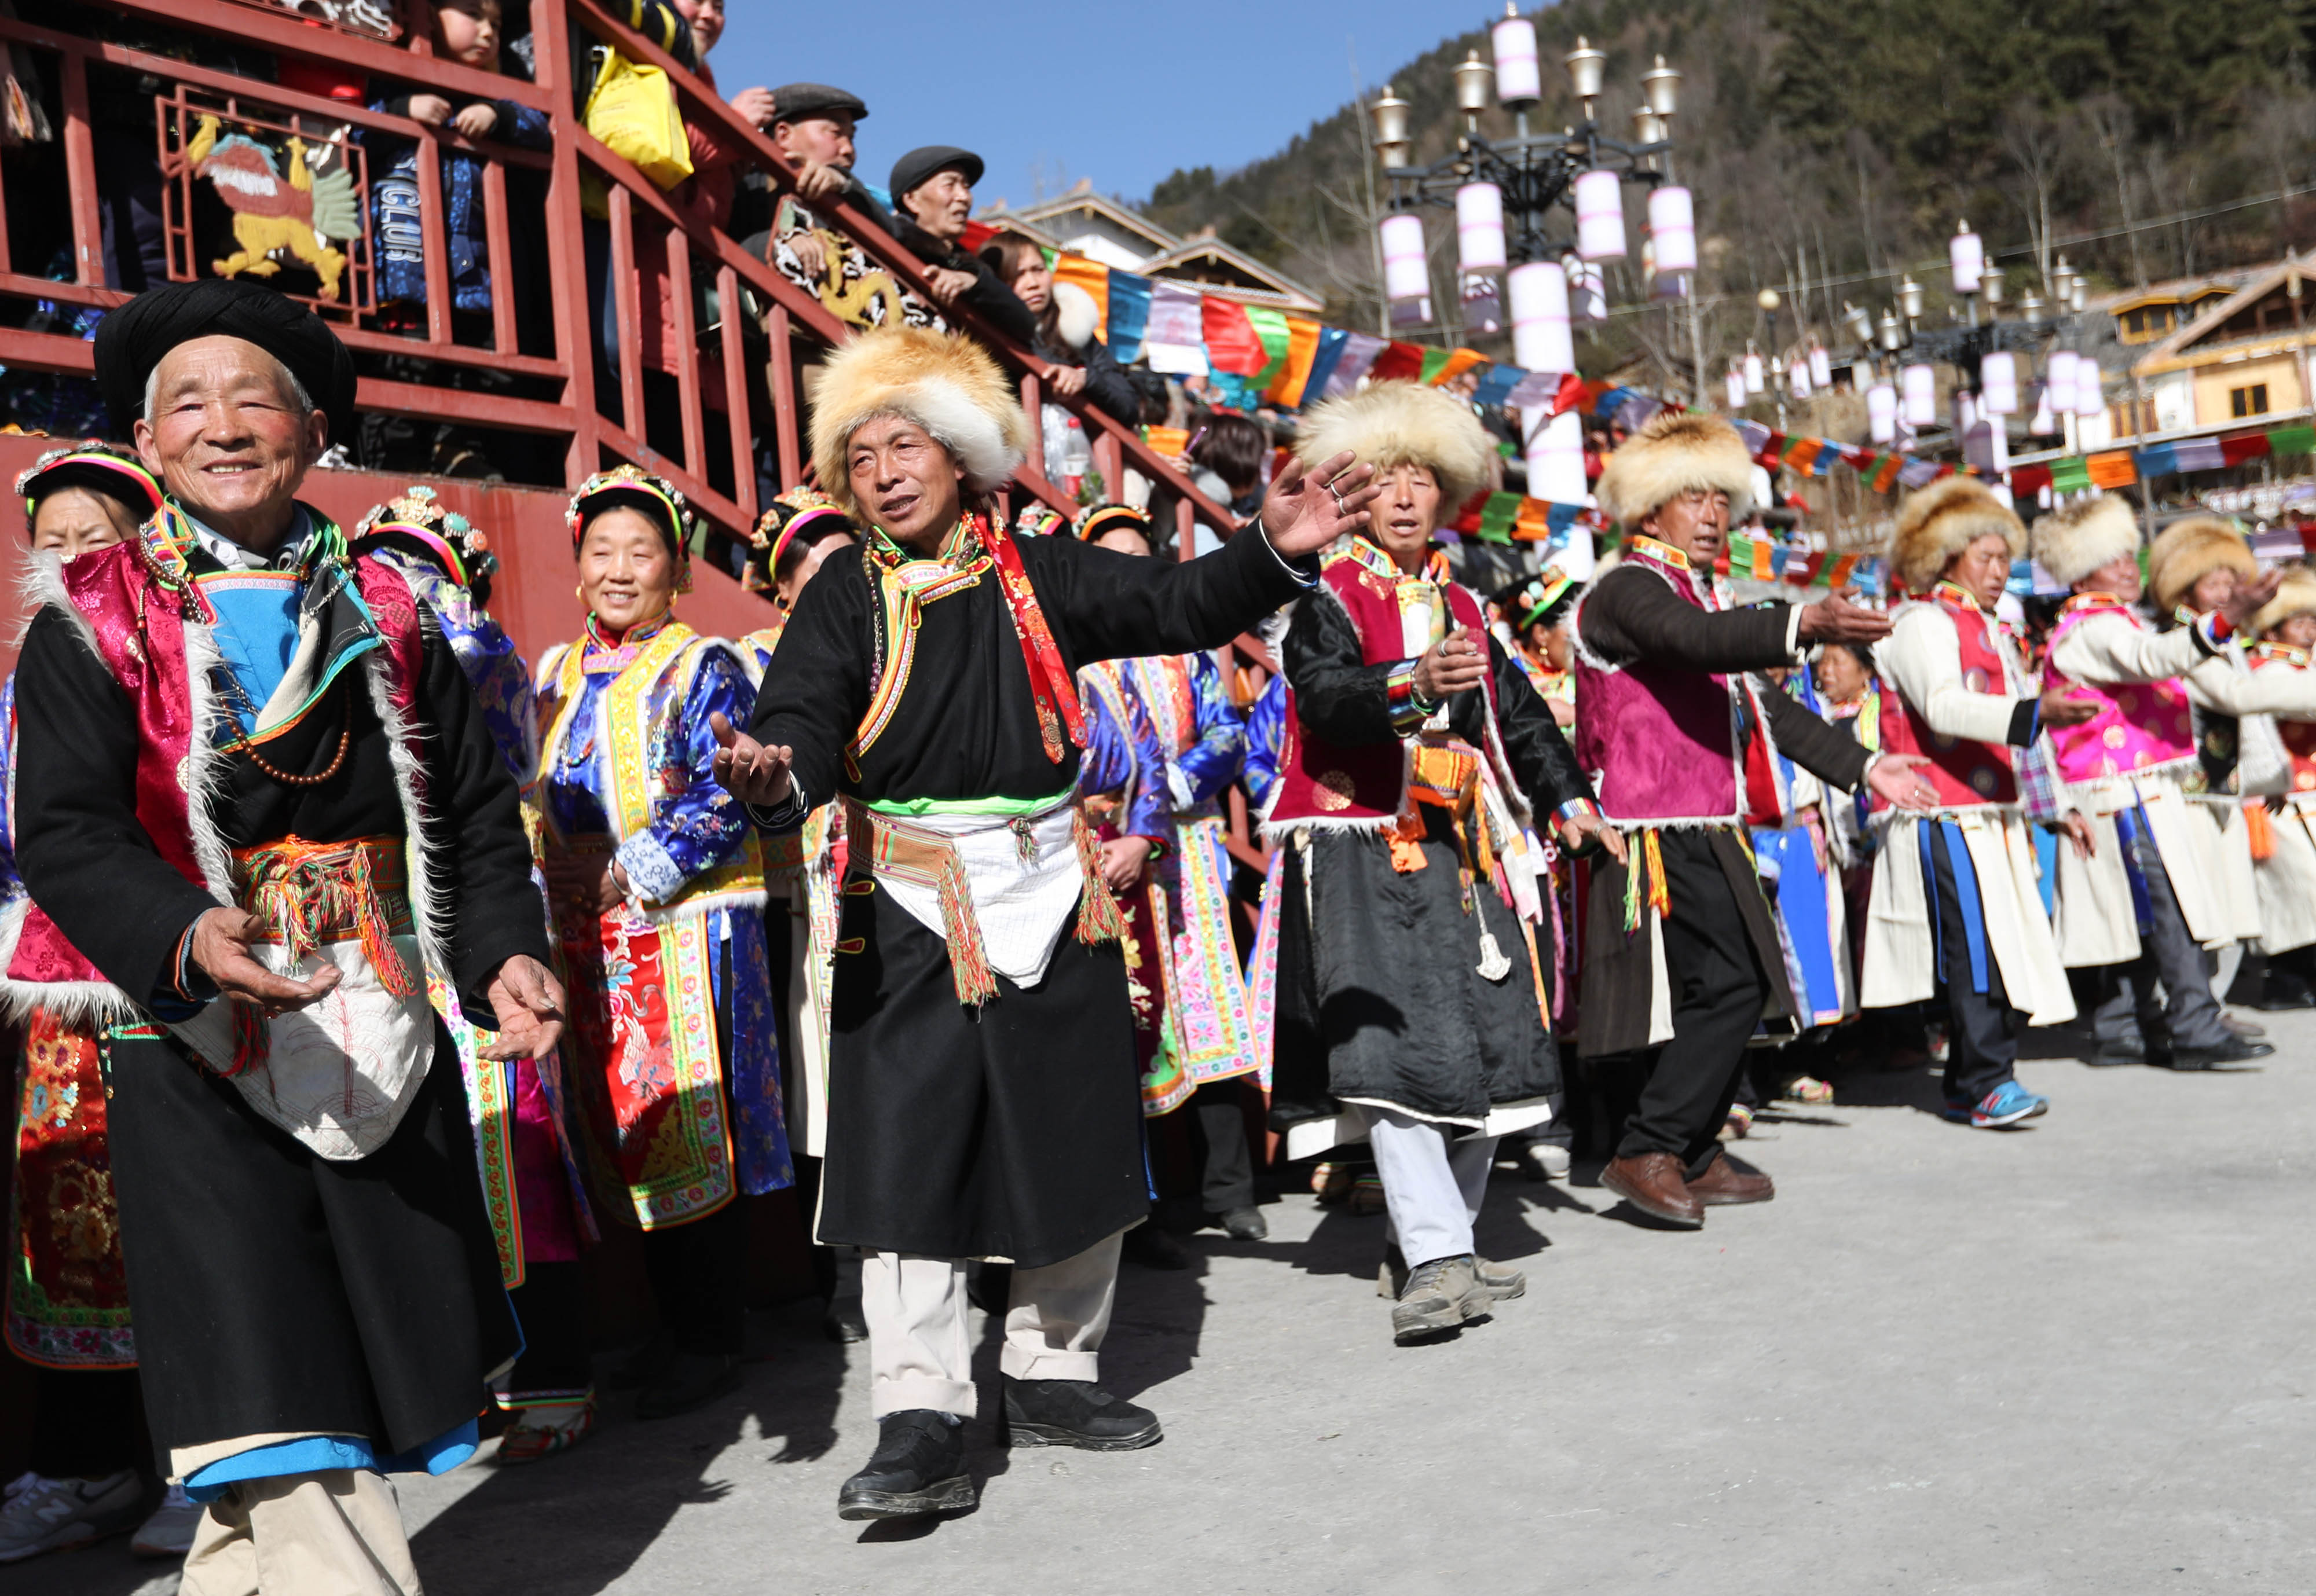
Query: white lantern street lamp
x=1820, y=366
x=1538, y=296
x=1672, y=228
x=1881, y=412
x=1909, y=299
x=2091, y=389
x=1734, y=389
x=1406, y=273
x=1921, y=382
x=1967, y=258
x=1479, y=227
x=1756, y=379
x=1519, y=80
x=2059, y=380
x=1600, y=216
x=1998, y=383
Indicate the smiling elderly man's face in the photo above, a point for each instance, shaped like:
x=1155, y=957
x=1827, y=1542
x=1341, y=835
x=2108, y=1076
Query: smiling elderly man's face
x=228, y=435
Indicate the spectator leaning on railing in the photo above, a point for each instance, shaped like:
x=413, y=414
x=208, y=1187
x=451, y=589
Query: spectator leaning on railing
x=932, y=197
x=812, y=125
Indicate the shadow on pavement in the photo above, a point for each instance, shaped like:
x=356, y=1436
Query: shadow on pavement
x=574, y=1523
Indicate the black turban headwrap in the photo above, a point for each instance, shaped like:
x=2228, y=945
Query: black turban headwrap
x=133, y=340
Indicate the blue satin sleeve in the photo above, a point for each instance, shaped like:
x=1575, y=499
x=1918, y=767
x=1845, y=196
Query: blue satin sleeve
x=695, y=825
x=1214, y=761
x=1266, y=734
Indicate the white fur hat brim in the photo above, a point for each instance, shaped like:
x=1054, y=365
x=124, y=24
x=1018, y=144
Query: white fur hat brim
x=945, y=383
x=1388, y=424
x=2071, y=542
x=1677, y=452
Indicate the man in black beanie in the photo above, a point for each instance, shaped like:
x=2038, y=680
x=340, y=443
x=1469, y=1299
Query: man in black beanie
x=256, y=804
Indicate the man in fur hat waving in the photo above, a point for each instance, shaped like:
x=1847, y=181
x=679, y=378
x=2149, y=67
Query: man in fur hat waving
x=2149, y=905
x=984, y=1101
x=1681, y=957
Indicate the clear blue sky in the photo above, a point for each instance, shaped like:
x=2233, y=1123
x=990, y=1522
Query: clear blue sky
x=1122, y=94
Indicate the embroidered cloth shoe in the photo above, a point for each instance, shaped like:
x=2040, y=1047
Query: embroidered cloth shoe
x=1652, y=1182
x=168, y=1533
x=1728, y=1181
x=1440, y=1294
x=41, y=1514
x=690, y=1380
x=918, y=1468
x=2007, y=1105
x=1074, y=1414
x=541, y=1432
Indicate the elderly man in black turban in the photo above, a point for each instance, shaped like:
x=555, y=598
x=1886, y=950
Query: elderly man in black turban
x=256, y=804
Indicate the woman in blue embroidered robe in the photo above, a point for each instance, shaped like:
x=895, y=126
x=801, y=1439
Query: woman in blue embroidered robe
x=658, y=886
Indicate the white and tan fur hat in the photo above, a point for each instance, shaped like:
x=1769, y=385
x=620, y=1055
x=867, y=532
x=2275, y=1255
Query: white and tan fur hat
x=944, y=382
x=1676, y=452
x=1403, y=423
x=1941, y=521
x=2071, y=542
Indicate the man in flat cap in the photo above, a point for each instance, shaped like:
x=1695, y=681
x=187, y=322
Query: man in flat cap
x=812, y=126
x=932, y=200
x=256, y=803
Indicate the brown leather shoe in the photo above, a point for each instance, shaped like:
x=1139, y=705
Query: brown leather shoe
x=1652, y=1183
x=1726, y=1182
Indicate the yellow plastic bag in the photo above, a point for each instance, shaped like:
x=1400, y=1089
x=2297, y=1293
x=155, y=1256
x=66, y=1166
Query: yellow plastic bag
x=632, y=110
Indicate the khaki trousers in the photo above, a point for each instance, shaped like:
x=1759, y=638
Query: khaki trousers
x=337, y=1532
x=919, y=1355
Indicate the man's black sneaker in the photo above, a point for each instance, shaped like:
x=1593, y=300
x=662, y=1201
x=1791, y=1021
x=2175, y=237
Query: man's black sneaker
x=918, y=1468
x=1073, y=1413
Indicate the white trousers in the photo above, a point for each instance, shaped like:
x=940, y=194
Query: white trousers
x=919, y=1355
x=337, y=1532
x=1432, y=1187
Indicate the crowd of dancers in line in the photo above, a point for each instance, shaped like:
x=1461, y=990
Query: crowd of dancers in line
x=368, y=971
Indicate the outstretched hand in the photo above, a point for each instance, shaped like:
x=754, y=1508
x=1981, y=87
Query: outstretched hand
x=2251, y=597
x=748, y=770
x=1893, y=776
x=1834, y=619
x=1307, y=509
x=529, y=1002
x=221, y=941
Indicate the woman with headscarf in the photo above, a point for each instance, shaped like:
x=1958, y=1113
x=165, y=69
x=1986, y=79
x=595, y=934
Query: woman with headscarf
x=657, y=885
x=68, y=1294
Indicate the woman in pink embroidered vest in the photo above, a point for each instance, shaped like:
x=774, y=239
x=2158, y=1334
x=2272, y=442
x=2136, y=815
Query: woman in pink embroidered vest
x=982, y=1088
x=1957, y=911
x=68, y=1292
x=1681, y=957
x=657, y=880
x=1412, y=1010
x=255, y=801
x=2147, y=902
x=2279, y=766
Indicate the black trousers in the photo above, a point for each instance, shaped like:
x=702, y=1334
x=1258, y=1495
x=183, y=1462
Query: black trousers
x=552, y=1306
x=84, y=1422
x=1982, y=1027
x=699, y=1268
x=1718, y=997
x=1226, y=1165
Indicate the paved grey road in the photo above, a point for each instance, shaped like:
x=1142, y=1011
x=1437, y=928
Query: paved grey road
x=2074, y=1358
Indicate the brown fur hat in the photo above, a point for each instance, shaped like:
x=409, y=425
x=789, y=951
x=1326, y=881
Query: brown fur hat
x=943, y=381
x=2072, y=542
x=2184, y=552
x=2295, y=596
x=1677, y=452
x=1940, y=521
